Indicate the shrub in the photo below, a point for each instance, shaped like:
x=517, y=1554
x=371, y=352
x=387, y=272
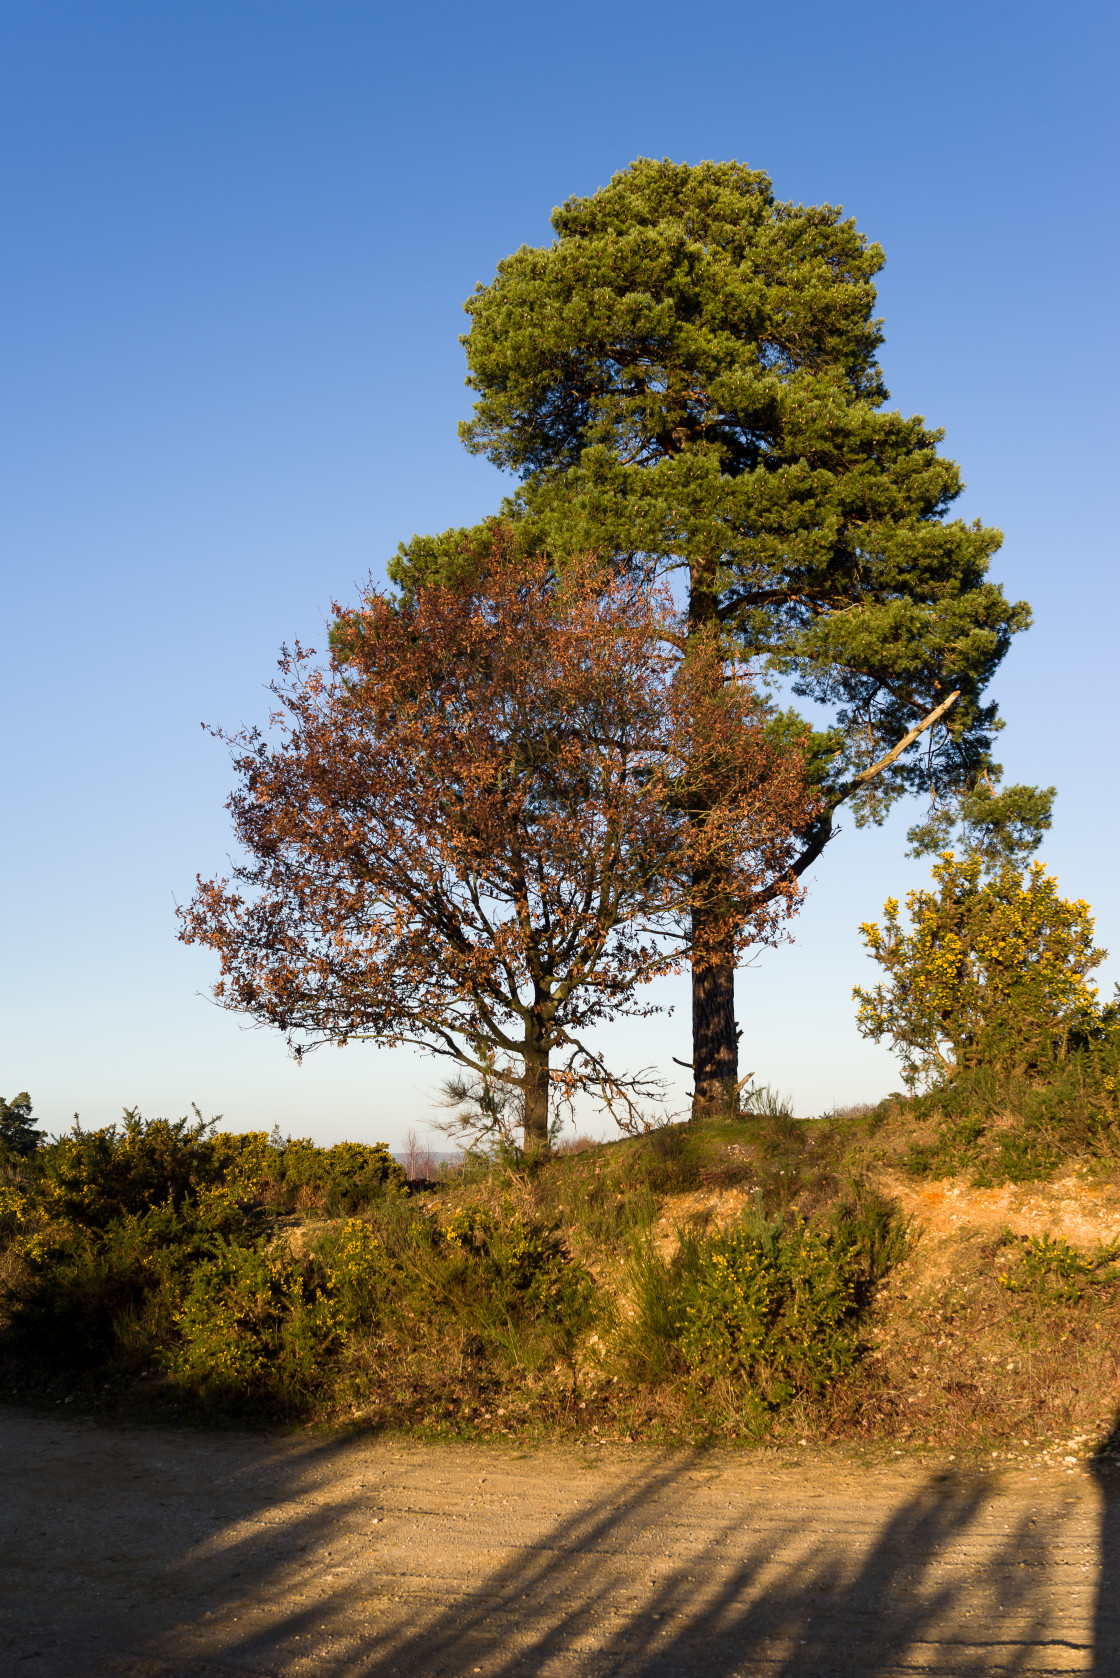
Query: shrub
x=258, y=1323
x=525, y=1269
x=768, y=1302
x=992, y=973
x=94, y=1178
x=255, y=1320
x=338, y=1181
x=1049, y=1265
x=1006, y=1128
x=13, y=1209
x=779, y=1136
x=108, y=1226
x=126, y=1237
x=771, y=1304
x=154, y=1246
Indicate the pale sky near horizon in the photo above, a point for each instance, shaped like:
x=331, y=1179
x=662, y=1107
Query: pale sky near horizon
x=237, y=238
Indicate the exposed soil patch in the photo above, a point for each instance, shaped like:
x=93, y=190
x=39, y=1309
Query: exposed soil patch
x=1081, y=1211
x=957, y=1359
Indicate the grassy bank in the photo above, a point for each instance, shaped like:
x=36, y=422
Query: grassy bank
x=745, y=1281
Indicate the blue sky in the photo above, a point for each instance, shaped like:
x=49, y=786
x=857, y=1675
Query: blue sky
x=237, y=238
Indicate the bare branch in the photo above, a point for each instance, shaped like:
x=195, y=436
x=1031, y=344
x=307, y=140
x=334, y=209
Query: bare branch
x=896, y=752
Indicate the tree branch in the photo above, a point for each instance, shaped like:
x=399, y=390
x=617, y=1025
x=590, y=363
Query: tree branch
x=822, y=827
x=866, y=775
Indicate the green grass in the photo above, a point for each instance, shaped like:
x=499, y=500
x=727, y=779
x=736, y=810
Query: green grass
x=1001, y=1128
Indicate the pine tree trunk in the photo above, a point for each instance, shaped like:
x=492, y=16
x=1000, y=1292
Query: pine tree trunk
x=535, y=1087
x=715, y=1047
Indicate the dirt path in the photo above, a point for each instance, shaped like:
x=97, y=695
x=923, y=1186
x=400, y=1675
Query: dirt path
x=158, y=1554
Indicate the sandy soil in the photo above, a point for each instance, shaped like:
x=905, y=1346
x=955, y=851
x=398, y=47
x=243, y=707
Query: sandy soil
x=1082, y=1211
x=151, y=1554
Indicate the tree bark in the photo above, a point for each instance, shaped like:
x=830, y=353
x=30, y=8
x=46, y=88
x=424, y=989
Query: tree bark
x=715, y=1037
x=535, y=1089
x=715, y=1046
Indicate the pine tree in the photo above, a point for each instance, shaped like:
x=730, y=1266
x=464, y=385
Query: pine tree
x=17, y=1133
x=686, y=378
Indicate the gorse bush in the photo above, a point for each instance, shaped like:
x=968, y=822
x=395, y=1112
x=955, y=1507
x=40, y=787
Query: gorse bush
x=298, y=1176
x=989, y=1005
x=109, y=1225
x=112, y=1229
x=92, y=1179
x=256, y=1276
x=259, y=1321
x=993, y=973
x=155, y=1244
x=1048, y=1265
x=255, y=1321
x=770, y=1304
x=525, y=1273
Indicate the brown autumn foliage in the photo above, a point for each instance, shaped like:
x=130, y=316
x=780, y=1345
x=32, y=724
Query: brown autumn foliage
x=495, y=814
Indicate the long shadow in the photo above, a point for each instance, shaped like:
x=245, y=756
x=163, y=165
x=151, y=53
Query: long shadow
x=120, y=1543
x=818, y=1617
x=1106, y=1619
x=250, y=1556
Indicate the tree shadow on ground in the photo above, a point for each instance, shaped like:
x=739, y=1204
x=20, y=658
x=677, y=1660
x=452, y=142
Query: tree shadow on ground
x=1105, y=1469
x=817, y=1614
x=179, y=1556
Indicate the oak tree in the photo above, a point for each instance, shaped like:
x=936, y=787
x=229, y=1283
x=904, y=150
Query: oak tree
x=494, y=814
x=687, y=378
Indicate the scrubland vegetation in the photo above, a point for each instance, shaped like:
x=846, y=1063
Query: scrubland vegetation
x=742, y=1278
x=745, y=1280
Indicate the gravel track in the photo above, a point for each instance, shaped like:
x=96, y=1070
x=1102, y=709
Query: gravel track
x=158, y=1554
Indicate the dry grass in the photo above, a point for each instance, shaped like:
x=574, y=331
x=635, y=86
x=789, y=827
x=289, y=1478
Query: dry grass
x=955, y=1359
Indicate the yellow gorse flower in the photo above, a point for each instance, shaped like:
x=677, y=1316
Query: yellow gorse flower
x=993, y=969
